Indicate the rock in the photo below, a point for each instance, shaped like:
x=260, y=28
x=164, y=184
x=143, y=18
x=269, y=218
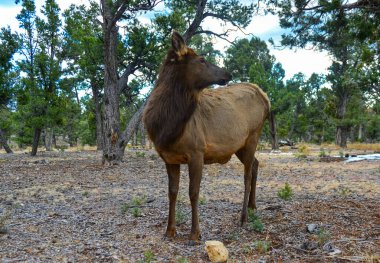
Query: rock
x=331, y=250
x=312, y=228
x=216, y=251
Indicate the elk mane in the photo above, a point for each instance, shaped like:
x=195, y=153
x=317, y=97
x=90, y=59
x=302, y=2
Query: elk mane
x=172, y=104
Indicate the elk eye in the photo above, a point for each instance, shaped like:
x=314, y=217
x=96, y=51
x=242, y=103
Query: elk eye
x=202, y=60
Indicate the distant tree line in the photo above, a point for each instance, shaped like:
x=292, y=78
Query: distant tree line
x=80, y=80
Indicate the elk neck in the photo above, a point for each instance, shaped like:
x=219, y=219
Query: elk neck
x=171, y=105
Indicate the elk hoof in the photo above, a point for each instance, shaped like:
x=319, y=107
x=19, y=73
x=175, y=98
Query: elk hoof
x=194, y=239
x=193, y=243
x=170, y=233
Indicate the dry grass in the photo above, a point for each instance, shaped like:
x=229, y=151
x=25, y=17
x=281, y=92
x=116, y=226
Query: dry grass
x=364, y=146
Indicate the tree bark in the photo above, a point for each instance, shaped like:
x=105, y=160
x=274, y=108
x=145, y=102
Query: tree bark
x=98, y=117
x=4, y=143
x=273, y=130
x=143, y=135
x=48, y=139
x=112, y=152
x=342, y=129
x=36, y=140
x=360, y=132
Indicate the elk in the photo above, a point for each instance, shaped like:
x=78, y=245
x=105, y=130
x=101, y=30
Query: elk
x=192, y=125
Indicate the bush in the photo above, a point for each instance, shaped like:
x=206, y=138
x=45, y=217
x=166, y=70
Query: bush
x=285, y=193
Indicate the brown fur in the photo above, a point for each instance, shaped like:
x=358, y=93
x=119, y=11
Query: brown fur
x=197, y=126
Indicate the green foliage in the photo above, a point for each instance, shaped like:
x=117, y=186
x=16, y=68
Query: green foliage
x=285, y=193
x=202, y=200
x=323, y=236
x=262, y=246
x=180, y=215
x=134, y=206
x=182, y=260
x=148, y=257
x=322, y=153
x=254, y=221
x=140, y=154
x=3, y=222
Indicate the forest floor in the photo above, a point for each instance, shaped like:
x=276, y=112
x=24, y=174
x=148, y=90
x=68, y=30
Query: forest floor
x=66, y=207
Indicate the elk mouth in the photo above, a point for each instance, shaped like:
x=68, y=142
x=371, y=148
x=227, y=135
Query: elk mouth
x=223, y=81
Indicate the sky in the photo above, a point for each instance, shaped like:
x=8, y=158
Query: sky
x=264, y=27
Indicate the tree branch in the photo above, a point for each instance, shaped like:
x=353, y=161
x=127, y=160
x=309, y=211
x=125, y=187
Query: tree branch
x=196, y=22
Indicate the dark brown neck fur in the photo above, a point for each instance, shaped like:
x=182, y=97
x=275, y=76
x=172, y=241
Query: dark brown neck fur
x=170, y=105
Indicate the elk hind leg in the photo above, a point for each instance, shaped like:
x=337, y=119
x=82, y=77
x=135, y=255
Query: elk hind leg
x=246, y=156
x=252, y=196
x=173, y=171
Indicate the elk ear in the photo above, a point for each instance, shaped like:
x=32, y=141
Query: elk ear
x=178, y=44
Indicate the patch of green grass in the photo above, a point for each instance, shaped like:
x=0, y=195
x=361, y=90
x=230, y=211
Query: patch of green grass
x=202, y=200
x=140, y=154
x=323, y=236
x=322, y=153
x=138, y=201
x=3, y=222
x=136, y=211
x=285, y=193
x=124, y=208
x=303, y=152
x=262, y=247
x=86, y=194
x=255, y=222
x=148, y=257
x=233, y=236
x=182, y=260
x=180, y=215
x=345, y=191
x=134, y=206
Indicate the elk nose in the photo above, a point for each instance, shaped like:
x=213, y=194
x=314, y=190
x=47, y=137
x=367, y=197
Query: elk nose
x=229, y=76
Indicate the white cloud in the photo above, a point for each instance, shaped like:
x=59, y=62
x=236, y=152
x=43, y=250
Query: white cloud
x=302, y=60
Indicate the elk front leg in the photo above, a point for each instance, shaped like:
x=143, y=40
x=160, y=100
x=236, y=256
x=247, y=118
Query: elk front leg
x=252, y=196
x=195, y=174
x=173, y=171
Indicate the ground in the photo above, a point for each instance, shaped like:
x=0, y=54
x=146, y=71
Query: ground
x=66, y=207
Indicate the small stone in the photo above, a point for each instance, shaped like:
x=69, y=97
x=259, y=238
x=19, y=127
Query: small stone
x=216, y=251
x=312, y=228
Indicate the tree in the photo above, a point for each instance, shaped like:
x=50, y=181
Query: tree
x=8, y=47
x=114, y=83
x=27, y=95
x=83, y=52
x=333, y=26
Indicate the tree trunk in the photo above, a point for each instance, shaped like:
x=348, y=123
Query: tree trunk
x=48, y=139
x=113, y=151
x=360, y=133
x=143, y=135
x=342, y=129
x=4, y=143
x=273, y=130
x=98, y=117
x=36, y=140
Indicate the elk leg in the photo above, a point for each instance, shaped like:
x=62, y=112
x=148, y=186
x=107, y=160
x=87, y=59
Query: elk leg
x=246, y=156
x=173, y=171
x=195, y=174
x=252, y=196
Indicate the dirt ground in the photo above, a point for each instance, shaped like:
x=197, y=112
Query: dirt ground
x=66, y=207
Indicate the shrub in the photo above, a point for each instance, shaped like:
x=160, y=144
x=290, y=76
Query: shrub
x=255, y=222
x=285, y=193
